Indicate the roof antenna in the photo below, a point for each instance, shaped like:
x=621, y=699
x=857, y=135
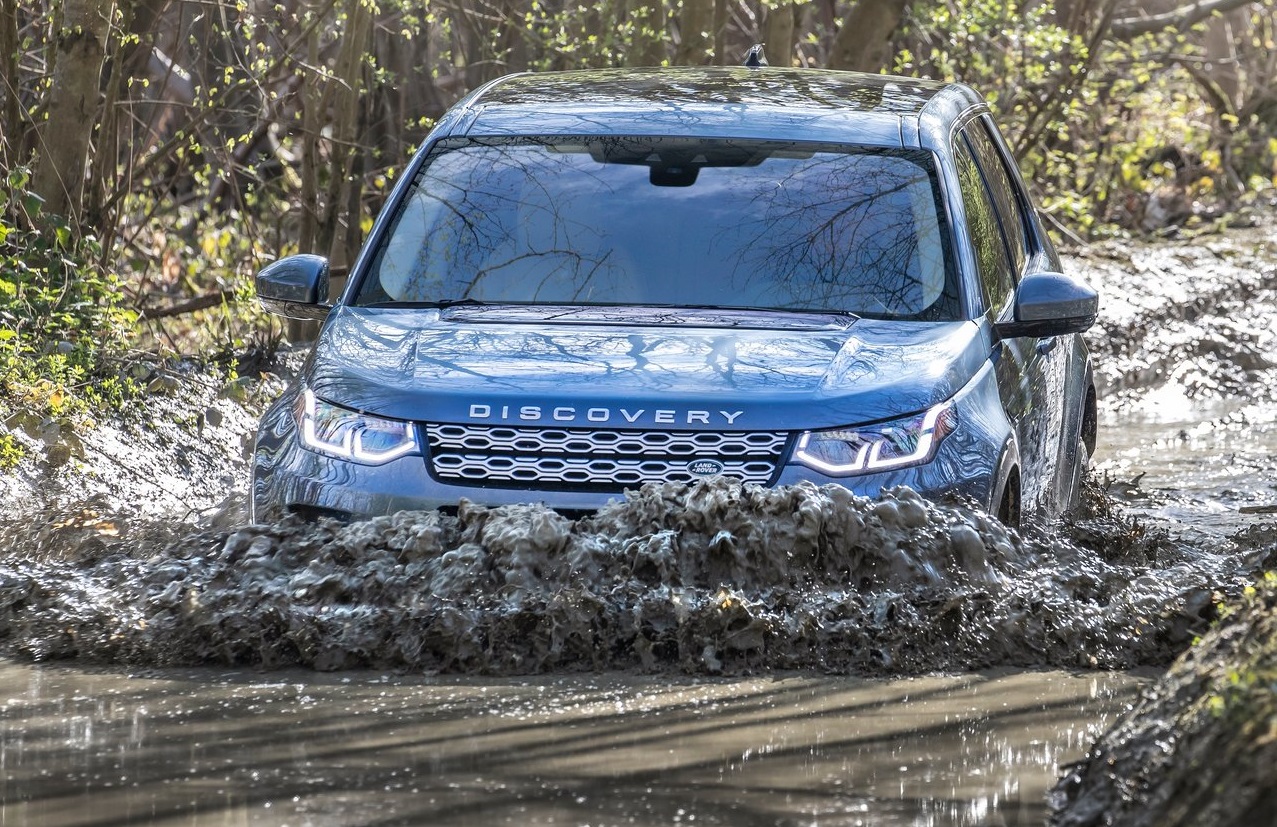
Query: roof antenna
x=756, y=59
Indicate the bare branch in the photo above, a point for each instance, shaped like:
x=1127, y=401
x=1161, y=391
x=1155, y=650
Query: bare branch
x=204, y=302
x=1182, y=17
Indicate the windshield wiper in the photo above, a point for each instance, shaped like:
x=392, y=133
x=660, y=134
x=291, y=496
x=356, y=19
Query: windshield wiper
x=441, y=305
x=466, y=302
x=741, y=308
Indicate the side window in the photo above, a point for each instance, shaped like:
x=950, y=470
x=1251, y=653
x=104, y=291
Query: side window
x=986, y=235
x=1003, y=189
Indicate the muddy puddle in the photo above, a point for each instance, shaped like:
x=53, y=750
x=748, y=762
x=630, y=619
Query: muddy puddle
x=1206, y=471
x=94, y=746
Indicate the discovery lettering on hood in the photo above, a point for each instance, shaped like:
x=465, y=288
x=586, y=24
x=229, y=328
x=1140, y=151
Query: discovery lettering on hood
x=568, y=413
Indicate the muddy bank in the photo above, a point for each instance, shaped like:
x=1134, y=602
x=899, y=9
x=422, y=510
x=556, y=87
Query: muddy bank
x=1200, y=747
x=714, y=578
x=169, y=462
x=1186, y=323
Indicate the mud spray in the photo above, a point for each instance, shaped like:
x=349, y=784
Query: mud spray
x=713, y=578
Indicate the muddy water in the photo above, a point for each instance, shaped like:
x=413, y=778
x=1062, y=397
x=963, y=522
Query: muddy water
x=83, y=746
x=1205, y=469
x=676, y=586
x=714, y=578
x=1186, y=360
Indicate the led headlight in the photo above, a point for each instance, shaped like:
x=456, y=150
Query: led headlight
x=341, y=432
x=881, y=447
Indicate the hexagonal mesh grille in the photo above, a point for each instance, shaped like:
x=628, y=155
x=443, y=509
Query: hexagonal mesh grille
x=558, y=458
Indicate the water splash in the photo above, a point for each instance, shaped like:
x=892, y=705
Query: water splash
x=716, y=577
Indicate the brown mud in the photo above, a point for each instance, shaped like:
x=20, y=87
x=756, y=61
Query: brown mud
x=713, y=578
x=1199, y=747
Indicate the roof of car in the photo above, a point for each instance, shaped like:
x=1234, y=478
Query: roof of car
x=798, y=104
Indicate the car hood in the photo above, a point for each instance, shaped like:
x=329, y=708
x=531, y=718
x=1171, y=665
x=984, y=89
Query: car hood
x=638, y=368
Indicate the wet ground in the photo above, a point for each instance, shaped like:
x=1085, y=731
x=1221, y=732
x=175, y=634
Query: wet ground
x=1203, y=471
x=1186, y=349
x=705, y=601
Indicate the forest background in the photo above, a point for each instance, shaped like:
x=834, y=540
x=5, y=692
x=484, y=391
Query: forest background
x=154, y=154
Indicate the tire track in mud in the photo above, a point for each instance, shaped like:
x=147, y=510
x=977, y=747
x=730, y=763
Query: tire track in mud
x=1186, y=363
x=1198, y=315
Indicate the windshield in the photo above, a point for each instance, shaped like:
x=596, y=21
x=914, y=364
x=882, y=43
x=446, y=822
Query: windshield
x=671, y=221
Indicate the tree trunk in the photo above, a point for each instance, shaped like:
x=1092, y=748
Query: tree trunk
x=648, y=48
x=477, y=38
x=510, y=52
x=720, y=32
x=67, y=133
x=694, y=26
x=348, y=89
x=11, y=127
x=143, y=18
x=312, y=97
x=778, y=34
x=312, y=100
x=345, y=186
x=863, y=42
x=104, y=166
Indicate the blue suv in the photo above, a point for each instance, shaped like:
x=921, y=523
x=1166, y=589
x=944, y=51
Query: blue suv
x=588, y=281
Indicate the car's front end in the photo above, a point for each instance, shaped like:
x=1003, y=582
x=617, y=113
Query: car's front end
x=452, y=404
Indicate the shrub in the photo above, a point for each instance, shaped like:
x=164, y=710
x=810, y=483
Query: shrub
x=64, y=327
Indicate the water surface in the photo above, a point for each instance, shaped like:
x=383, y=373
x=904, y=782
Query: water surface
x=84, y=746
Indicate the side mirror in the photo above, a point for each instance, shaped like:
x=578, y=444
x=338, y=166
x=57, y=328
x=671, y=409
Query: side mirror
x=295, y=287
x=1051, y=304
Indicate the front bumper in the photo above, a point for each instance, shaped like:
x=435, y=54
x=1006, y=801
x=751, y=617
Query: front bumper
x=288, y=477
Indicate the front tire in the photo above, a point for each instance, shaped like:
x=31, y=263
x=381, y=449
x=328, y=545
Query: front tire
x=1009, y=509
